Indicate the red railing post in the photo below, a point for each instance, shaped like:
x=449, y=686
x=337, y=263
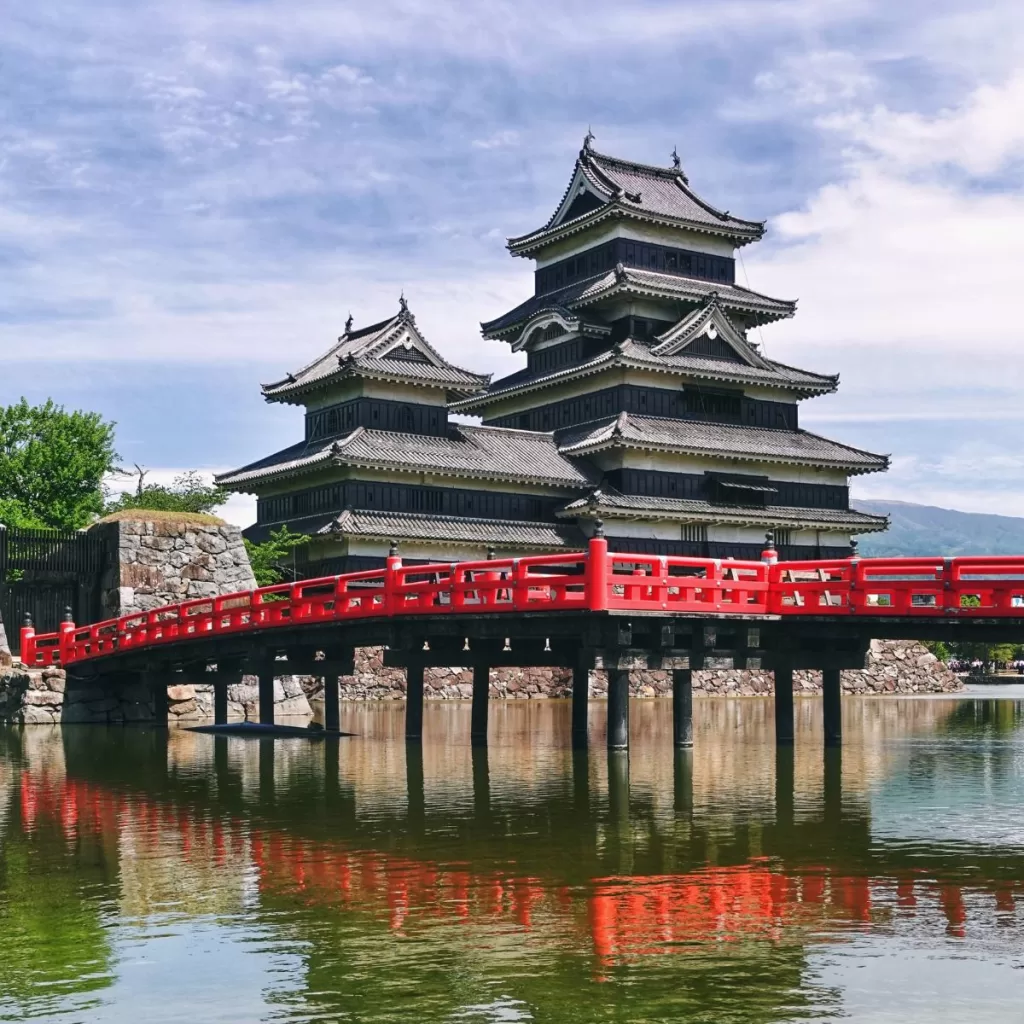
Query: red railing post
x=67, y=629
x=597, y=570
x=28, y=641
x=391, y=567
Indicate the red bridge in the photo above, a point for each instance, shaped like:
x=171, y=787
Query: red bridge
x=582, y=610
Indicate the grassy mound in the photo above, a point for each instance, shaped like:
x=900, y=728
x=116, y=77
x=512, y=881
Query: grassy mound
x=152, y=515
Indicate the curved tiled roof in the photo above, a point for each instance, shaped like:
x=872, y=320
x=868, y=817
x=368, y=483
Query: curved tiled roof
x=471, y=452
x=643, y=282
x=723, y=440
x=640, y=190
x=636, y=355
x=366, y=353
x=611, y=503
x=454, y=529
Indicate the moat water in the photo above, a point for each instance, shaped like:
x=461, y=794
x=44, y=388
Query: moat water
x=186, y=878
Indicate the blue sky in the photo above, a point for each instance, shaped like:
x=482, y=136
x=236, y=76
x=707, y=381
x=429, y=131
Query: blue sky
x=194, y=195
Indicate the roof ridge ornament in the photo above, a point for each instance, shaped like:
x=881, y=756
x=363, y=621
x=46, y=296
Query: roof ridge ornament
x=677, y=166
x=348, y=324
x=587, y=140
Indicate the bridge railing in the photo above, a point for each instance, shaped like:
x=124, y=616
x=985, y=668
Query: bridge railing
x=810, y=588
x=594, y=580
x=659, y=583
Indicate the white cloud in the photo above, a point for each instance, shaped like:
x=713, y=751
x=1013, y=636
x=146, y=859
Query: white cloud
x=499, y=140
x=903, y=266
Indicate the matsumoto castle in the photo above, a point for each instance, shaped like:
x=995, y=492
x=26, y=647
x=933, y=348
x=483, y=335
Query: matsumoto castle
x=642, y=402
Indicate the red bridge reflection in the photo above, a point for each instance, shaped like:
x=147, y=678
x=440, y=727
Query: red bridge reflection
x=621, y=917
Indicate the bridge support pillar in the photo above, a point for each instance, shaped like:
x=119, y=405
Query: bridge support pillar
x=785, y=785
x=618, y=709
x=158, y=680
x=481, y=697
x=220, y=700
x=332, y=701
x=783, y=704
x=266, y=678
x=832, y=706
x=682, y=779
x=682, y=707
x=415, y=793
x=413, y=703
x=580, y=697
x=481, y=784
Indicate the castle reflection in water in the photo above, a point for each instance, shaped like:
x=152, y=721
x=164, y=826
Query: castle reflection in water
x=525, y=861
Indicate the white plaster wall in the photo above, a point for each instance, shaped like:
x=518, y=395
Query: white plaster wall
x=665, y=462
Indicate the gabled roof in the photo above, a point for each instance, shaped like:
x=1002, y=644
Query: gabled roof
x=609, y=503
x=393, y=350
x=632, y=280
x=712, y=322
x=729, y=441
x=467, y=452
x=637, y=355
x=624, y=188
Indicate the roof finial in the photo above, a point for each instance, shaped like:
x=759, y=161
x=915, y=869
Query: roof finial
x=349, y=322
x=587, y=140
x=403, y=302
x=676, y=162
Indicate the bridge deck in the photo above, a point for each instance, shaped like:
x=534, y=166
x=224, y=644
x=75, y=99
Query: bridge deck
x=892, y=592
x=592, y=609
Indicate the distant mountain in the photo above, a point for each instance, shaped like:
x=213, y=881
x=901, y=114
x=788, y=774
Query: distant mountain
x=926, y=530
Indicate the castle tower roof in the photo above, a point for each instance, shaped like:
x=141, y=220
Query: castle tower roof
x=392, y=350
x=604, y=187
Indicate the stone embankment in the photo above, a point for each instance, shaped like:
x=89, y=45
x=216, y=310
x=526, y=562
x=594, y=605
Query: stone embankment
x=894, y=666
x=163, y=561
x=33, y=696
x=42, y=697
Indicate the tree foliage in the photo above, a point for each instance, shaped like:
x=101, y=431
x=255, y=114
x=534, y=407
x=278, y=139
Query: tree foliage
x=52, y=464
x=269, y=558
x=188, y=493
x=962, y=651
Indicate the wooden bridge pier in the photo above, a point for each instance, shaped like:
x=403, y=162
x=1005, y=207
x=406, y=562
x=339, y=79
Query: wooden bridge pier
x=481, y=703
x=832, y=708
x=682, y=707
x=580, y=705
x=784, y=729
x=414, y=702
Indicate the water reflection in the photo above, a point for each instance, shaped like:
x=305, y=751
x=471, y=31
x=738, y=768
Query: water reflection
x=369, y=879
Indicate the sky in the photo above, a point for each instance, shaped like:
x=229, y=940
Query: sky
x=194, y=196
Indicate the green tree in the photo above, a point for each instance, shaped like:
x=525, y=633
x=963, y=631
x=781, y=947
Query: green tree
x=187, y=493
x=267, y=559
x=52, y=464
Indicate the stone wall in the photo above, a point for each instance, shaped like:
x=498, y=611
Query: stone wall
x=34, y=696
x=157, y=562
x=42, y=697
x=894, y=666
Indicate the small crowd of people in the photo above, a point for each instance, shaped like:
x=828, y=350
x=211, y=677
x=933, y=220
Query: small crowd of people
x=977, y=667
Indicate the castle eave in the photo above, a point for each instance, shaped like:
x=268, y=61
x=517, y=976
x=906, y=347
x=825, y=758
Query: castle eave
x=612, y=505
x=726, y=441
